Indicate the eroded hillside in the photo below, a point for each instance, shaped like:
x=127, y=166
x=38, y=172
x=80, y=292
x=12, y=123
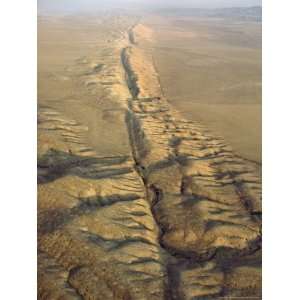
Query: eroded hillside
x=134, y=201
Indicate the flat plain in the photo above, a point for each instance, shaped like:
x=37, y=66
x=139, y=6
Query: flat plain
x=210, y=69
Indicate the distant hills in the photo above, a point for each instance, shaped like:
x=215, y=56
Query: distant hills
x=246, y=13
x=253, y=13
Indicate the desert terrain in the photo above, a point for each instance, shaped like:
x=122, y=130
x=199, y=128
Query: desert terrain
x=210, y=70
x=137, y=198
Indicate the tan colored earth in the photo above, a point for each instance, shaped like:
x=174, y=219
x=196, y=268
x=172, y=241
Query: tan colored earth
x=137, y=198
x=210, y=70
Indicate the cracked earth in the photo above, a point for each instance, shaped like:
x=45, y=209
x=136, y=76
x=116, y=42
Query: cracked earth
x=134, y=201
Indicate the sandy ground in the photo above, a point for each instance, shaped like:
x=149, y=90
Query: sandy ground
x=211, y=71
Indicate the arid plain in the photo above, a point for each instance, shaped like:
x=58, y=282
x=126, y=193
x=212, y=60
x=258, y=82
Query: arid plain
x=147, y=186
x=210, y=69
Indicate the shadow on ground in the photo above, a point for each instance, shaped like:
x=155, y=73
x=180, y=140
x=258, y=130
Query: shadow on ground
x=55, y=164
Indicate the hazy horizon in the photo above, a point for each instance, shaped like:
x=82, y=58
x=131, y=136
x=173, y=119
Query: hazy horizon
x=89, y=5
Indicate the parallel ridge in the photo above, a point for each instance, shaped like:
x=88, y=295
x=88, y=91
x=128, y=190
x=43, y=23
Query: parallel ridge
x=178, y=218
x=97, y=238
x=206, y=200
x=93, y=221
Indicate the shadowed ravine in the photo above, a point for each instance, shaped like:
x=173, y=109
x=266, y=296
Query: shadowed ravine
x=171, y=214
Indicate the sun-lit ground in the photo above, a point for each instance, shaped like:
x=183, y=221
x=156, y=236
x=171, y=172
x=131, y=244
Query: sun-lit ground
x=210, y=69
x=135, y=199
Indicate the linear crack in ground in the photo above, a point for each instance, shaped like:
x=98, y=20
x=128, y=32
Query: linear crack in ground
x=207, y=221
x=149, y=206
